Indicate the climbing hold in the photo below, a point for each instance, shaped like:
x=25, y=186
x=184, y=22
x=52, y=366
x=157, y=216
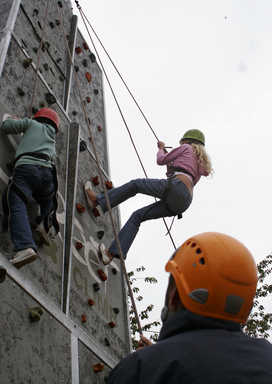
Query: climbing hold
x=27, y=62
x=51, y=24
x=3, y=274
x=35, y=49
x=34, y=110
x=95, y=180
x=57, y=22
x=62, y=78
x=20, y=91
x=59, y=60
x=42, y=105
x=74, y=113
x=83, y=318
x=99, y=128
x=109, y=184
x=114, y=271
x=91, y=302
x=112, y=324
x=100, y=234
x=85, y=45
x=95, y=212
x=82, y=146
x=98, y=367
x=102, y=275
x=96, y=287
x=95, y=91
x=76, y=68
x=60, y=4
x=80, y=208
x=116, y=310
x=93, y=58
x=107, y=343
x=88, y=77
x=35, y=12
x=78, y=50
x=85, y=63
x=50, y=98
x=78, y=245
x=45, y=46
x=35, y=314
x=46, y=66
x=88, y=99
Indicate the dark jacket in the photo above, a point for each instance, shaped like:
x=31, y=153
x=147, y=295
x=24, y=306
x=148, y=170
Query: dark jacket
x=193, y=349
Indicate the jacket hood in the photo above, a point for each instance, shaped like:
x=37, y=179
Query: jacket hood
x=185, y=320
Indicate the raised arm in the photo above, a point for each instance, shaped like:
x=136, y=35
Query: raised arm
x=14, y=127
x=163, y=158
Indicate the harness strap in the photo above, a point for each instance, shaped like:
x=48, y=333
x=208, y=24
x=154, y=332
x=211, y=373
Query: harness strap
x=37, y=155
x=173, y=169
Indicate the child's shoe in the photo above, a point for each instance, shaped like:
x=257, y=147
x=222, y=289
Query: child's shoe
x=23, y=257
x=91, y=200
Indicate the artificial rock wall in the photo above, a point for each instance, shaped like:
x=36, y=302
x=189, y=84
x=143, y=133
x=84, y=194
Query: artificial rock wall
x=81, y=306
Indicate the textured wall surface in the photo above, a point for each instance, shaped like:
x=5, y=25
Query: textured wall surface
x=55, y=271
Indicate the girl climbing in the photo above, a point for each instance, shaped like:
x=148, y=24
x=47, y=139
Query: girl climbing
x=185, y=165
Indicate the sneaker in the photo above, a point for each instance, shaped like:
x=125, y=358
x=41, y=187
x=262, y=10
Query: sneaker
x=24, y=257
x=104, y=255
x=91, y=200
x=47, y=237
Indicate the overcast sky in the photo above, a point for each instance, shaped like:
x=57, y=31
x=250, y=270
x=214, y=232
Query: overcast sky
x=193, y=64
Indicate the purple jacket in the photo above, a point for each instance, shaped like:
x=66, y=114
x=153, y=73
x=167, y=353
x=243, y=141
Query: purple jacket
x=183, y=157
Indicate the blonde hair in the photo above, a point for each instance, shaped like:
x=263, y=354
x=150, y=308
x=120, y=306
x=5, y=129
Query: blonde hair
x=203, y=157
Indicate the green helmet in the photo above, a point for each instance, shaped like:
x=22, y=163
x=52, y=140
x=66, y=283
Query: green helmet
x=194, y=134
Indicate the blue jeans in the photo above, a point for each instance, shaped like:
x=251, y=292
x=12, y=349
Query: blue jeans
x=35, y=182
x=174, y=199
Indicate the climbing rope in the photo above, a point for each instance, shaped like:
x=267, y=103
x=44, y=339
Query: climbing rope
x=30, y=113
x=120, y=110
x=102, y=182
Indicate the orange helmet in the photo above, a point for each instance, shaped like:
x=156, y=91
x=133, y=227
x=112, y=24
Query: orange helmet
x=216, y=276
x=49, y=114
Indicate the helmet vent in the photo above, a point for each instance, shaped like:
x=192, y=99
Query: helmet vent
x=202, y=260
x=198, y=251
x=233, y=304
x=200, y=295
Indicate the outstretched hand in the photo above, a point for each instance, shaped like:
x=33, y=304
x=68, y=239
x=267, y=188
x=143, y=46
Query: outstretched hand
x=161, y=144
x=143, y=342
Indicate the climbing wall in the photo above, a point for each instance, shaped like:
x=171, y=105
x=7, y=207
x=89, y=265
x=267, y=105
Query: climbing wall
x=64, y=317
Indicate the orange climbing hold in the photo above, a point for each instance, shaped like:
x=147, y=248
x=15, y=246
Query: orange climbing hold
x=112, y=324
x=78, y=50
x=88, y=76
x=108, y=184
x=80, y=208
x=85, y=45
x=83, y=318
x=96, y=212
x=102, y=275
x=79, y=245
x=95, y=180
x=91, y=302
x=98, y=367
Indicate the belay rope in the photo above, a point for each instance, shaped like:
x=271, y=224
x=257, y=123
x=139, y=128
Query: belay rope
x=103, y=184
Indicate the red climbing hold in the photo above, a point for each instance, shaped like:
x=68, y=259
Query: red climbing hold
x=85, y=46
x=79, y=245
x=95, y=180
x=88, y=99
x=96, y=212
x=78, y=50
x=91, y=302
x=99, y=128
x=98, y=367
x=108, y=184
x=112, y=324
x=102, y=275
x=80, y=208
x=88, y=76
x=83, y=318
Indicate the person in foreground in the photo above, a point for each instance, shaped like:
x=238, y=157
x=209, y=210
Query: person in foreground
x=185, y=166
x=210, y=294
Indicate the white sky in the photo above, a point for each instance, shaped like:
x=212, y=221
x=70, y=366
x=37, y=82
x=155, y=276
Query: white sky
x=193, y=64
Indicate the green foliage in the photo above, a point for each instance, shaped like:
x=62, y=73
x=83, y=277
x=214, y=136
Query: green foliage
x=259, y=323
x=144, y=314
